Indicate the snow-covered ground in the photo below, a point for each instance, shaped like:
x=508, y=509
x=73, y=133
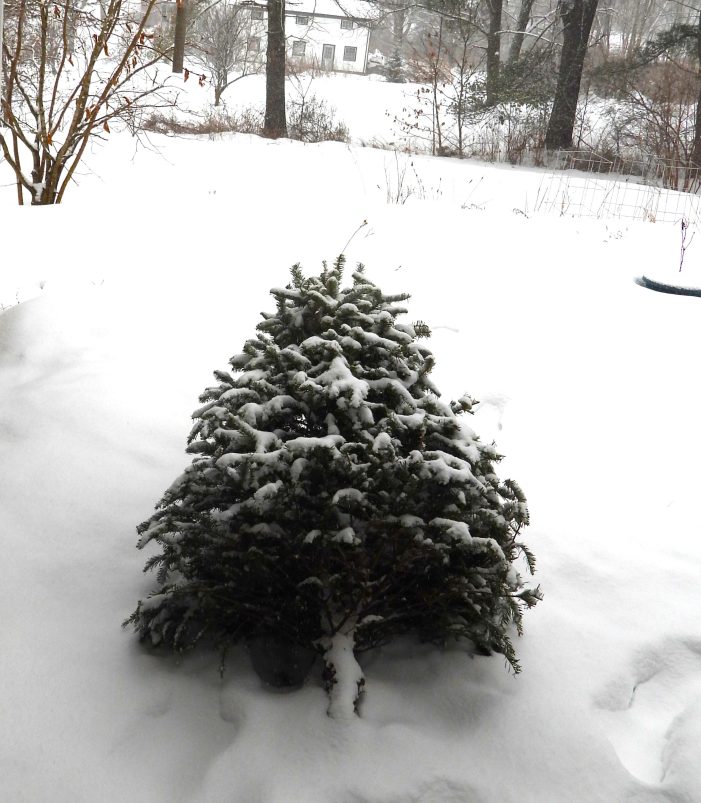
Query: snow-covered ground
x=149, y=277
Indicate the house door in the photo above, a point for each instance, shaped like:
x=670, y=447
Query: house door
x=328, y=53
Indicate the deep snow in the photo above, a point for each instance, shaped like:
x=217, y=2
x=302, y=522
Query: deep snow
x=153, y=274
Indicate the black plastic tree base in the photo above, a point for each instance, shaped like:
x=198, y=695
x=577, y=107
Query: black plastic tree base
x=280, y=664
x=672, y=289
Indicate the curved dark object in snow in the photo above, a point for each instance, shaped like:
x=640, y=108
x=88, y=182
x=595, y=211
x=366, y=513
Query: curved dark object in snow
x=279, y=663
x=661, y=287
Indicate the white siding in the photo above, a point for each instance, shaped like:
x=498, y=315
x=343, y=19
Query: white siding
x=320, y=31
x=327, y=31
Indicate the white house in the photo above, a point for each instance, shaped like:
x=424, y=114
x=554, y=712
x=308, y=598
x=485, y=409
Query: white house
x=330, y=35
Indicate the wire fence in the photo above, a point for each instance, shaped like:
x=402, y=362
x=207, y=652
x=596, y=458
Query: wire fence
x=586, y=184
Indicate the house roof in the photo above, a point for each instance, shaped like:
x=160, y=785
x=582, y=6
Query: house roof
x=357, y=9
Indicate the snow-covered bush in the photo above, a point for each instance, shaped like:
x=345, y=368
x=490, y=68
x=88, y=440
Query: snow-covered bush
x=334, y=500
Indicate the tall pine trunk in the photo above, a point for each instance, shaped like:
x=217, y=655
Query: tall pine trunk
x=493, y=45
x=275, y=120
x=577, y=19
x=524, y=16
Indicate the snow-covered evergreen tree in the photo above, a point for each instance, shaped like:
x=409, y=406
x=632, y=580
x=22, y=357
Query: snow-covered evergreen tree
x=334, y=500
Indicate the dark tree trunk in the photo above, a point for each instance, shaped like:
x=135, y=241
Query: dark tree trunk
x=493, y=56
x=179, y=39
x=275, y=120
x=696, y=147
x=577, y=19
x=524, y=17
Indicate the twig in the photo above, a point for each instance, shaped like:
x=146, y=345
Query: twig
x=364, y=223
x=685, y=244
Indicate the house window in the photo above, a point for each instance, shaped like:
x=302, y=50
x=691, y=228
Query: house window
x=298, y=48
x=254, y=44
x=302, y=20
x=257, y=14
x=350, y=53
x=348, y=24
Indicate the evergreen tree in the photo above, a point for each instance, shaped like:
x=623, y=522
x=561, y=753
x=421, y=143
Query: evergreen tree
x=334, y=500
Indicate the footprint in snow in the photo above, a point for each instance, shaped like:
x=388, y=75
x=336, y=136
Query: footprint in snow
x=645, y=711
x=160, y=703
x=231, y=708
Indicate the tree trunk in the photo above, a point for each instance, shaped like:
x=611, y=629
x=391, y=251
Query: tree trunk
x=435, y=82
x=696, y=146
x=524, y=16
x=493, y=44
x=343, y=676
x=577, y=18
x=275, y=120
x=179, y=39
x=2, y=29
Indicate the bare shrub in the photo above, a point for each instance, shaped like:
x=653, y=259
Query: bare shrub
x=661, y=112
x=651, y=125
x=313, y=120
x=71, y=71
x=213, y=124
x=444, y=60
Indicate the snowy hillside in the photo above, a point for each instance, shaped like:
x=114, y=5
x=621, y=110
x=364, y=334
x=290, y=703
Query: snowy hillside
x=150, y=277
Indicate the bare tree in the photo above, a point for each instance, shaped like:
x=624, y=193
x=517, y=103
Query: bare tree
x=2, y=29
x=446, y=61
x=224, y=46
x=658, y=85
x=461, y=70
x=524, y=17
x=602, y=29
x=68, y=74
x=696, y=145
x=577, y=19
x=635, y=22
